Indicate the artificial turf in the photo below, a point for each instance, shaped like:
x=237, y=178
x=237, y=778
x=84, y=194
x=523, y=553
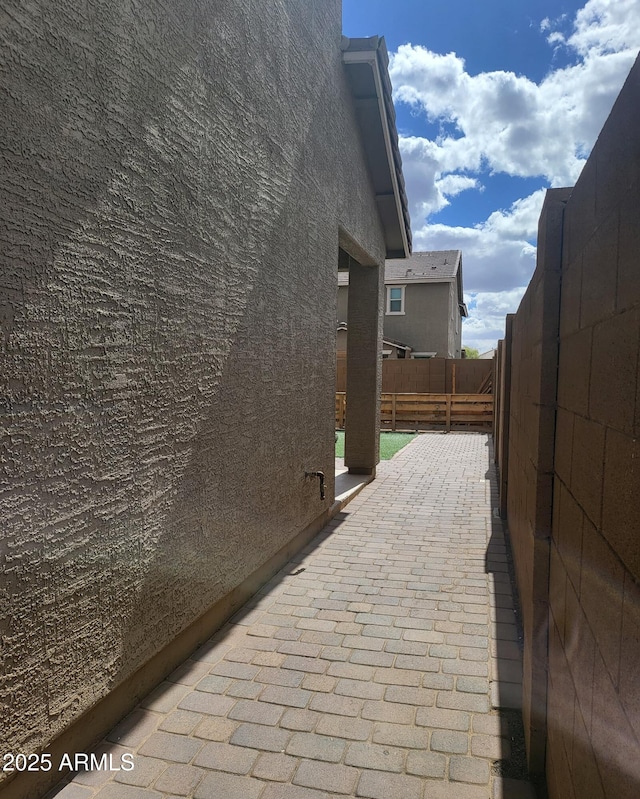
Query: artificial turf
x=390, y=443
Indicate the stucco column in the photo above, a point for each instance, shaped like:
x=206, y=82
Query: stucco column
x=364, y=367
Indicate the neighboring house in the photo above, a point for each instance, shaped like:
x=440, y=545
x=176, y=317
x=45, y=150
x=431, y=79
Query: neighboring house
x=424, y=305
x=179, y=181
x=488, y=355
x=390, y=348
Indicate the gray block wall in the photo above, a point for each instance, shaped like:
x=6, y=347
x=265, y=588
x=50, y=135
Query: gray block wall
x=570, y=450
x=594, y=646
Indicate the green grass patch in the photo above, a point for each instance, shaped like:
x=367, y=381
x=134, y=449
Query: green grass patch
x=390, y=443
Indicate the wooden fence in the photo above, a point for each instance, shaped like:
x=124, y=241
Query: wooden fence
x=428, y=375
x=425, y=411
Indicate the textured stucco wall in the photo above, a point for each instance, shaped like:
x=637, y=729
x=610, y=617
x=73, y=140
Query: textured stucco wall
x=174, y=179
x=424, y=326
x=364, y=372
x=428, y=324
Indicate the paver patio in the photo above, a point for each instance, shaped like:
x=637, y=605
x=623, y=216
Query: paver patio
x=371, y=666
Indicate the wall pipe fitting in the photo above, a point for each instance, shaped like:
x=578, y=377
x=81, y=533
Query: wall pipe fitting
x=320, y=475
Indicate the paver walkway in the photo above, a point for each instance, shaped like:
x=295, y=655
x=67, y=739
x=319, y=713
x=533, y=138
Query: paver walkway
x=368, y=667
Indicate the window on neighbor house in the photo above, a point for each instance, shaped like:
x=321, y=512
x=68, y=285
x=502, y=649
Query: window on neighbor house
x=395, y=299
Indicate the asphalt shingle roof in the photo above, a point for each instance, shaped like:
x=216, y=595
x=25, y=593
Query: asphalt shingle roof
x=420, y=267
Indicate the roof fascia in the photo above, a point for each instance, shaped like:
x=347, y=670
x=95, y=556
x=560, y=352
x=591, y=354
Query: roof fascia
x=371, y=58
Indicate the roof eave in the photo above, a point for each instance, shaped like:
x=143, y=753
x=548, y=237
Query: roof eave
x=381, y=144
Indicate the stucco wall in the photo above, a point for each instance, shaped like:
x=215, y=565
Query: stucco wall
x=454, y=343
x=174, y=178
x=428, y=324
x=424, y=326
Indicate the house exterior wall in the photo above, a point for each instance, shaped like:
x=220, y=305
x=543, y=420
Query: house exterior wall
x=573, y=474
x=455, y=324
x=424, y=325
x=429, y=321
x=175, y=177
x=393, y=353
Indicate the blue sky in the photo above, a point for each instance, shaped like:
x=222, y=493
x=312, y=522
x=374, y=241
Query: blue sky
x=496, y=101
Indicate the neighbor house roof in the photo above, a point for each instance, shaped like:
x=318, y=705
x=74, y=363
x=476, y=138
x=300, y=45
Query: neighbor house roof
x=367, y=67
x=421, y=267
x=435, y=266
x=424, y=267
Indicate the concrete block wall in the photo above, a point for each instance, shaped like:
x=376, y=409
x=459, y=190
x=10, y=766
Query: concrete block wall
x=498, y=394
x=176, y=178
x=502, y=412
x=527, y=463
x=594, y=646
x=573, y=475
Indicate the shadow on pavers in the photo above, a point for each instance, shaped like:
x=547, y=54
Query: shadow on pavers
x=507, y=643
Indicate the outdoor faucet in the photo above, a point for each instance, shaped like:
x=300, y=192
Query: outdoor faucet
x=321, y=476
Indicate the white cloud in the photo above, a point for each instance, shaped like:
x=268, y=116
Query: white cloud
x=520, y=221
x=497, y=262
x=606, y=26
x=487, y=312
x=507, y=123
x=451, y=185
x=556, y=38
x=423, y=164
x=496, y=254
x=510, y=124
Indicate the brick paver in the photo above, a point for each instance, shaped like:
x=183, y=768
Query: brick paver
x=371, y=666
